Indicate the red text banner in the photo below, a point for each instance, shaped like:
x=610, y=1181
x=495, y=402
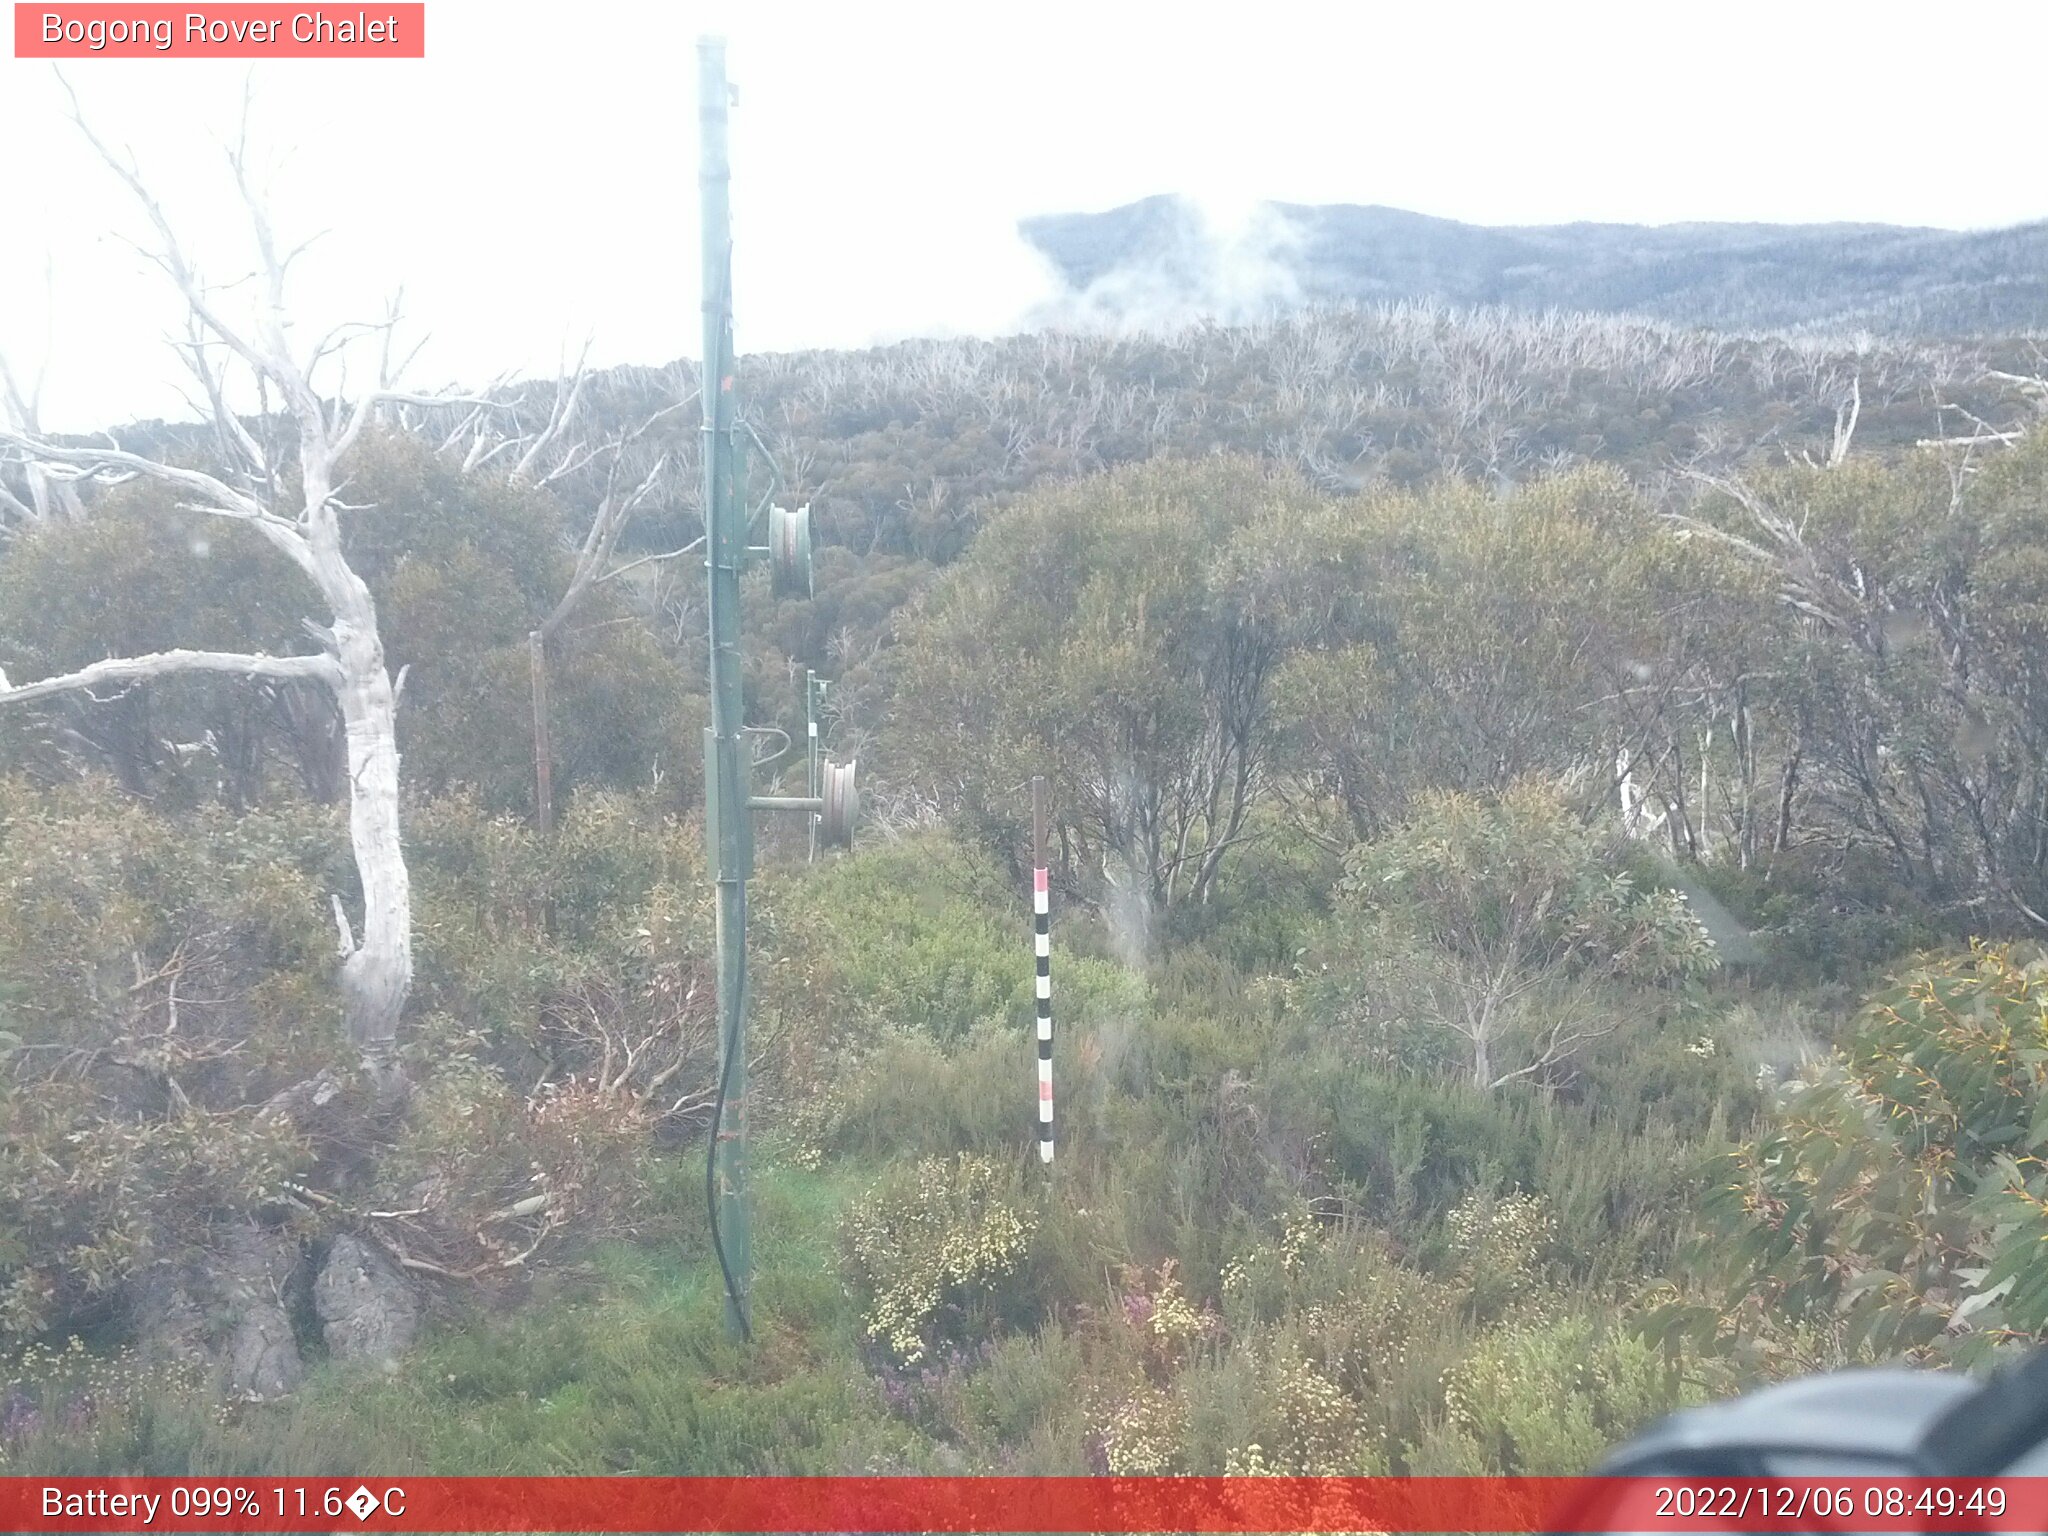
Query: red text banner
x=1021, y=1504
x=224, y=31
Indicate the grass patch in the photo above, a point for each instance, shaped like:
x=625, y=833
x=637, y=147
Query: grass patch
x=634, y=1372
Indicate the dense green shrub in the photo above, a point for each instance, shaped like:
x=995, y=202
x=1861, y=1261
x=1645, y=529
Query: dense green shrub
x=930, y=1247
x=1513, y=925
x=1547, y=1398
x=920, y=935
x=1893, y=1202
x=462, y=568
x=163, y=977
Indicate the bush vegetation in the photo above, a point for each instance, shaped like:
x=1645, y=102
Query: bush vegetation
x=1408, y=1120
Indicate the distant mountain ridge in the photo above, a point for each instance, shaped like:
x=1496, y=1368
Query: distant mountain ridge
x=1887, y=279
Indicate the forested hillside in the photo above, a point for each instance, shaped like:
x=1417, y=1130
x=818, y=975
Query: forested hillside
x=1522, y=790
x=1812, y=278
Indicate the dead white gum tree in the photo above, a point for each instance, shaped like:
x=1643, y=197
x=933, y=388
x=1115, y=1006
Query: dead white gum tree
x=44, y=500
x=289, y=498
x=550, y=457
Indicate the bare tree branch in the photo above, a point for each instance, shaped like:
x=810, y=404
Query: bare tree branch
x=1846, y=416
x=614, y=511
x=668, y=554
x=42, y=489
x=138, y=669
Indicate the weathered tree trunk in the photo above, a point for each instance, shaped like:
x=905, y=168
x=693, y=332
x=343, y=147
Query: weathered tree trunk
x=376, y=974
x=1781, y=839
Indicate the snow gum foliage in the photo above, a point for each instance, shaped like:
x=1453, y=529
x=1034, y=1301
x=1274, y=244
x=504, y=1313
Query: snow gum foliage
x=461, y=568
x=1895, y=1200
x=1504, y=918
x=1115, y=634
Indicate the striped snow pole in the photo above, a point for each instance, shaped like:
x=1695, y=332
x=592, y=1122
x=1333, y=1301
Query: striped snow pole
x=1041, y=923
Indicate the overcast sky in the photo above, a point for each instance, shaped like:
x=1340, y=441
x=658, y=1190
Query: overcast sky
x=534, y=178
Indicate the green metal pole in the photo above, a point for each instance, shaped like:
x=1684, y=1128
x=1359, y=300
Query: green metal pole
x=725, y=759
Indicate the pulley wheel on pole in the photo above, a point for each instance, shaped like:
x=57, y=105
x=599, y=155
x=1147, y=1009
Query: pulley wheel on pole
x=841, y=808
x=789, y=551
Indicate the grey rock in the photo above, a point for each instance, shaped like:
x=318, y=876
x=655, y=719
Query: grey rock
x=224, y=1312
x=367, y=1310
x=261, y=1358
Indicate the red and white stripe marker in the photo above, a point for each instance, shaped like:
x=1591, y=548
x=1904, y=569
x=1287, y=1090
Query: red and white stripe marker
x=1041, y=923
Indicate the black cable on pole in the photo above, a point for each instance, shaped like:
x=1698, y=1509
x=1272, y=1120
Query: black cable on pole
x=732, y=1286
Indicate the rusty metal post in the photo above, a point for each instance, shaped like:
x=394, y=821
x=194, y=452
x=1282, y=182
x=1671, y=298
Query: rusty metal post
x=543, y=747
